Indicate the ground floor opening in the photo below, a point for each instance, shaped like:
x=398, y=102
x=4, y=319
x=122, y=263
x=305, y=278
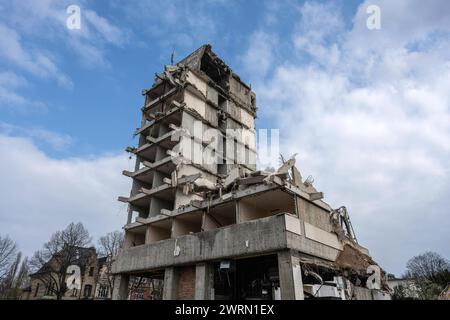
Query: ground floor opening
x=247, y=279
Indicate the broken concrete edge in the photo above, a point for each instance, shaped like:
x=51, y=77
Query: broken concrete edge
x=184, y=83
x=252, y=189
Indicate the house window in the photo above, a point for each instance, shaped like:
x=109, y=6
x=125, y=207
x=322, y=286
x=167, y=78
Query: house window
x=87, y=290
x=74, y=292
x=91, y=271
x=50, y=289
x=103, y=291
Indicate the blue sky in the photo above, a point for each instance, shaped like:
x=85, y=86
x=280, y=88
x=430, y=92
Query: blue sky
x=367, y=111
x=104, y=87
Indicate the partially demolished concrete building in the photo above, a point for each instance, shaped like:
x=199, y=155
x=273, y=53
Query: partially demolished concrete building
x=216, y=228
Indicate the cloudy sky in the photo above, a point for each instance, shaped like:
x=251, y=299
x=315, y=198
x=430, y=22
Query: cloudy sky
x=367, y=111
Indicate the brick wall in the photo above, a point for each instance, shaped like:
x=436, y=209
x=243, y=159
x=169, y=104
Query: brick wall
x=186, y=283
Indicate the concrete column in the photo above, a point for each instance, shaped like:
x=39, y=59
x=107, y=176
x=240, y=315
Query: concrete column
x=170, y=284
x=120, y=291
x=130, y=215
x=204, y=281
x=161, y=153
x=128, y=241
x=301, y=212
x=290, y=273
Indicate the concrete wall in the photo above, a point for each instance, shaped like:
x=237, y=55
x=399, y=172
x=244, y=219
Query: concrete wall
x=322, y=236
x=247, y=118
x=197, y=82
x=290, y=275
x=256, y=207
x=204, y=281
x=240, y=91
x=293, y=224
x=154, y=234
x=220, y=216
x=249, y=211
x=156, y=205
x=314, y=215
x=133, y=238
x=212, y=95
x=259, y=236
x=209, y=223
x=253, y=237
x=170, y=284
x=211, y=115
x=182, y=226
x=311, y=247
x=195, y=103
x=161, y=153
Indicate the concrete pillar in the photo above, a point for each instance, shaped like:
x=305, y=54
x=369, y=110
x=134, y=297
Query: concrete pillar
x=290, y=273
x=204, y=281
x=120, y=291
x=128, y=241
x=160, y=154
x=170, y=284
x=130, y=215
x=301, y=212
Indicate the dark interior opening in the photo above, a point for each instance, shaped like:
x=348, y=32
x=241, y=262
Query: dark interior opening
x=217, y=73
x=247, y=279
x=146, y=286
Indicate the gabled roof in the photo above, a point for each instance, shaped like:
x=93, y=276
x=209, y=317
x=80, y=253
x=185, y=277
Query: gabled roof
x=83, y=256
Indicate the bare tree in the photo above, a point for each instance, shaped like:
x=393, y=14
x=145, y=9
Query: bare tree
x=13, y=270
x=8, y=251
x=8, y=281
x=17, y=279
x=431, y=272
x=109, y=246
x=63, y=250
x=21, y=280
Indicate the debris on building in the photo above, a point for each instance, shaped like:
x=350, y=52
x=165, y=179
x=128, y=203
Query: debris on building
x=222, y=229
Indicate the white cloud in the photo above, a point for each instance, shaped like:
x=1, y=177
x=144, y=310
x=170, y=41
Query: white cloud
x=41, y=195
x=31, y=26
x=189, y=23
x=11, y=80
x=402, y=22
x=369, y=114
x=259, y=58
x=38, y=64
x=91, y=41
x=46, y=21
x=55, y=140
x=8, y=97
x=319, y=24
x=10, y=83
x=108, y=31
